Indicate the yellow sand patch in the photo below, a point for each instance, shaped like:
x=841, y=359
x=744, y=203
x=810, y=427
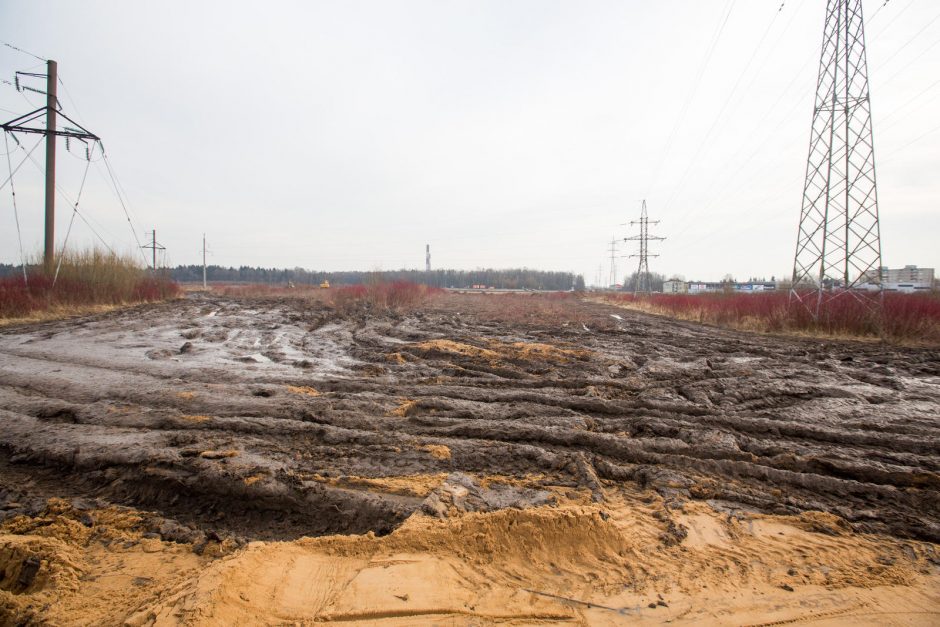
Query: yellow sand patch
x=121, y=409
x=498, y=351
x=252, y=479
x=404, y=485
x=305, y=390
x=456, y=348
x=597, y=565
x=395, y=358
x=529, y=350
x=186, y=396
x=218, y=454
x=437, y=451
x=405, y=409
x=195, y=418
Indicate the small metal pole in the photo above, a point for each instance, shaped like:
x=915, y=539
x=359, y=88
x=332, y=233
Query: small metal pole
x=203, y=261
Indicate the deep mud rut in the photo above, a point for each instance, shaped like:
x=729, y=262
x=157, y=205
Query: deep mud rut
x=265, y=419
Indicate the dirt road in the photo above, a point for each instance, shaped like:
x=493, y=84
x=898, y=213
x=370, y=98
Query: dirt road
x=236, y=420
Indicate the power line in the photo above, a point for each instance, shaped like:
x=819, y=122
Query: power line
x=123, y=205
x=911, y=62
x=907, y=102
x=695, y=85
x=909, y=41
x=744, y=162
x=9, y=45
x=16, y=215
x=910, y=143
x=893, y=20
x=722, y=110
x=65, y=197
x=17, y=168
x=68, y=231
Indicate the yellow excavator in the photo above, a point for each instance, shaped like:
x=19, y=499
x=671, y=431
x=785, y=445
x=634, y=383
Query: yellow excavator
x=325, y=285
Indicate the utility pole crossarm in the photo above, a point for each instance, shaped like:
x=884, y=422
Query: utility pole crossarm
x=16, y=125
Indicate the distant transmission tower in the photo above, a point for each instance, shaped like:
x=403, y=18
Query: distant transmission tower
x=839, y=243
x=643, y=282
x=427, y=258
x=613, y=262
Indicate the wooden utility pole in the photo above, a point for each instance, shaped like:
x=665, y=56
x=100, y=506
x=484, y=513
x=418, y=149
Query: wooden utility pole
x=203, y=261
x=154, y=246
x=25, y=124
x=51, y=108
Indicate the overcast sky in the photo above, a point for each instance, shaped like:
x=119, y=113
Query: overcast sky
x=347, y=135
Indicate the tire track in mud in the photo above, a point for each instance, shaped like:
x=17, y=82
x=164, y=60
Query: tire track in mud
x=236, y=415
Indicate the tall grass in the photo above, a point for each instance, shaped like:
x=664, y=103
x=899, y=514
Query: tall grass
x=902, y=318
x=86, y=278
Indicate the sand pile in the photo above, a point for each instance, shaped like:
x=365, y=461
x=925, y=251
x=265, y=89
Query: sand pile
x=574, y=561
x=89, y=565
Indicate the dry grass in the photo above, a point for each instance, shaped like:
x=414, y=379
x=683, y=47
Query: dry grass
x=58, y=312
x=87, y=282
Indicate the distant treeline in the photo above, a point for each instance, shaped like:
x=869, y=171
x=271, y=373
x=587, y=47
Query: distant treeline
x=514, y=278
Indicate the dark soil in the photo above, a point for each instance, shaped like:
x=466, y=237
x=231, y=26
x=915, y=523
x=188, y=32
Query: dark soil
x=204, y=412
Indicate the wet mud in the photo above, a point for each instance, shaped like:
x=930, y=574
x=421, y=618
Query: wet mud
x=235, y=420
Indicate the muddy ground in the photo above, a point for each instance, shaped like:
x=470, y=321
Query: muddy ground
x=231, y=420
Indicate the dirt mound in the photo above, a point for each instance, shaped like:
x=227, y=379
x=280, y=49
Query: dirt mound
x=589, y=565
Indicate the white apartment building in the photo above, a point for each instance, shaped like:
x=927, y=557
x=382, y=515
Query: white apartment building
x=907, y=279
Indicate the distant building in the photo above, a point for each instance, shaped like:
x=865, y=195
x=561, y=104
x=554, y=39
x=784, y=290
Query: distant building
x=675, y=287
x=907, y=279
x=699, y=287
x=705, y=287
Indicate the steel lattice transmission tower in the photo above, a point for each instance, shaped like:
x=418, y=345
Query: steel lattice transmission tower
x=643, y=282
x=838, y=248
x=613, y=262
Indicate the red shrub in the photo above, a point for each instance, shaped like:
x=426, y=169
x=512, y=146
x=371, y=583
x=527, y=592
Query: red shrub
x=905, y=317
x=19, y=298
x=395, y=295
